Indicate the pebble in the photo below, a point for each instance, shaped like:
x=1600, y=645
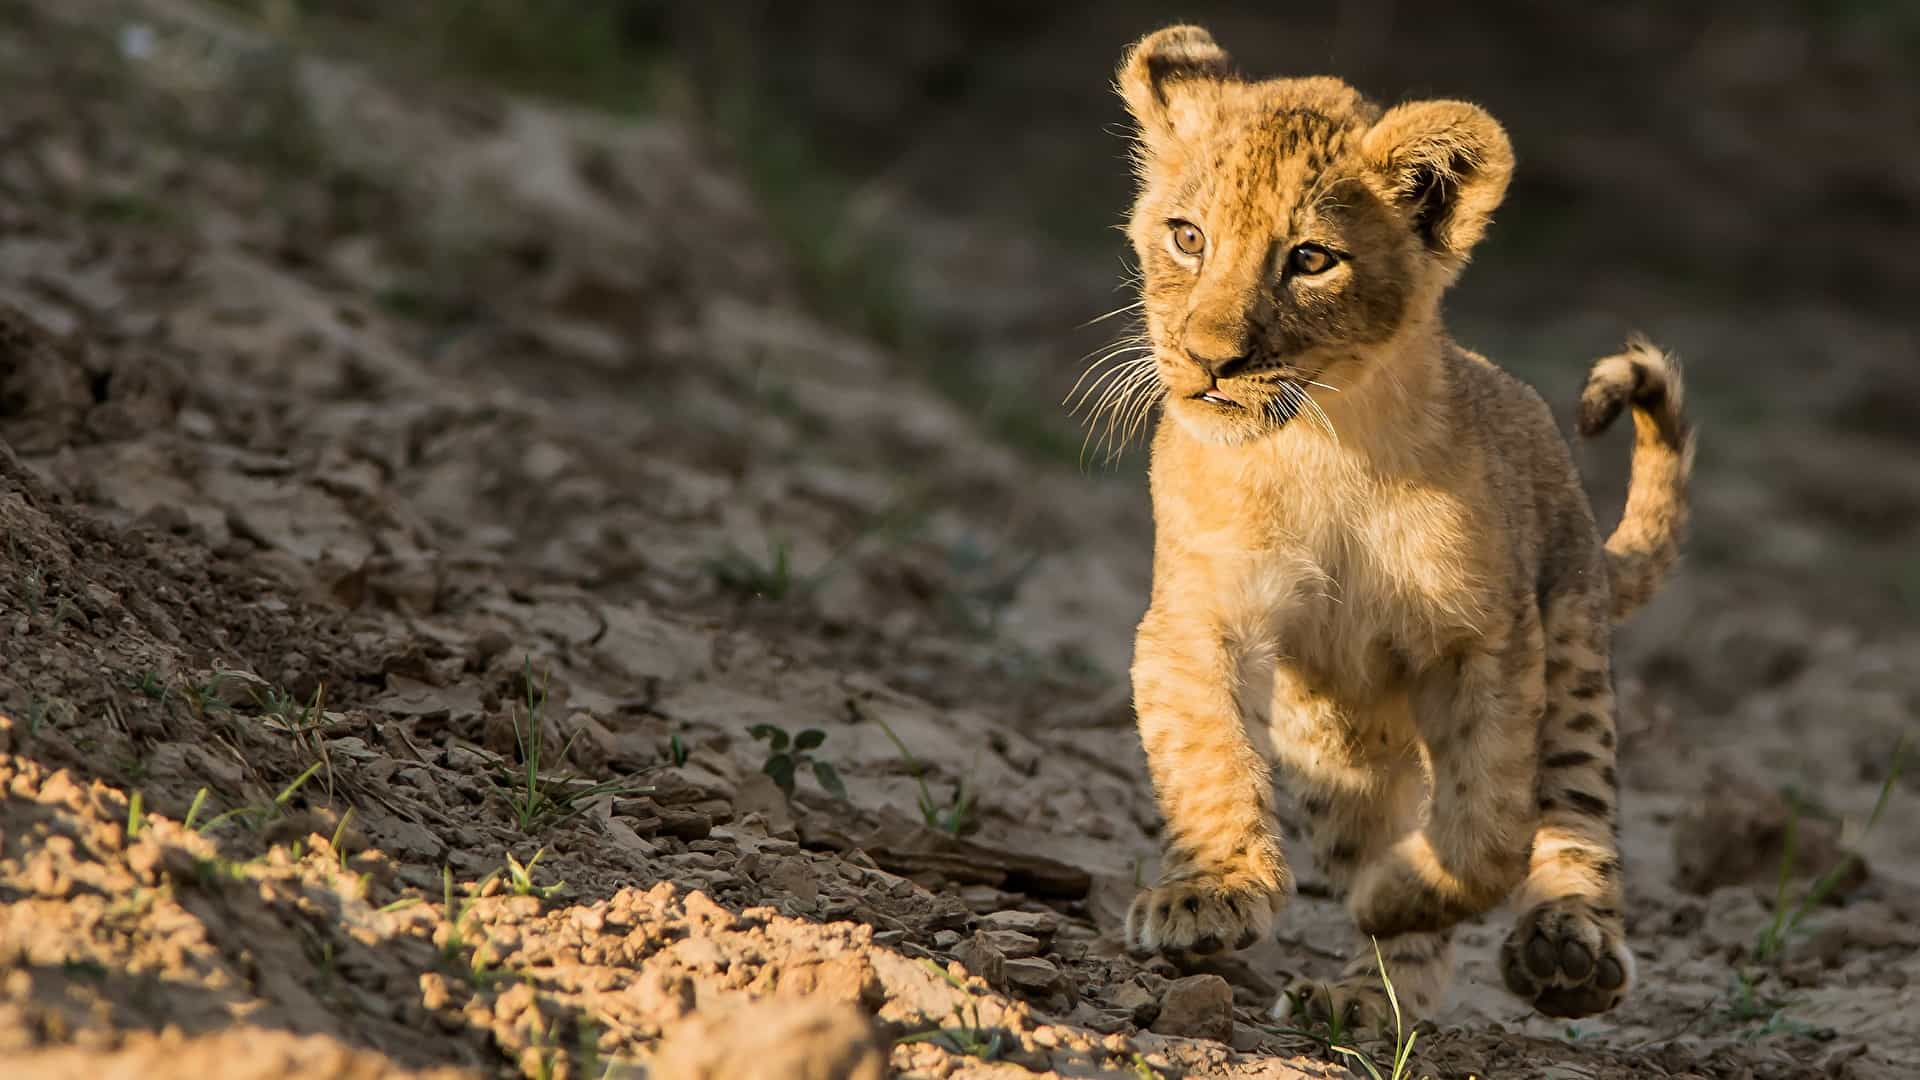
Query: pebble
x=1014, y=943
x=1031, y=923
x=1197, y=1007
x=1037, y=976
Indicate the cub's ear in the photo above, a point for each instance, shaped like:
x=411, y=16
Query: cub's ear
x=1164, y=76
x=1446, y=163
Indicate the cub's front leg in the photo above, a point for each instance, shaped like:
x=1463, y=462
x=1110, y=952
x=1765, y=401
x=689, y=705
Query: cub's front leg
x=1224, y=876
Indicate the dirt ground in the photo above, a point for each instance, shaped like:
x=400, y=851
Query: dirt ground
x=427, y=511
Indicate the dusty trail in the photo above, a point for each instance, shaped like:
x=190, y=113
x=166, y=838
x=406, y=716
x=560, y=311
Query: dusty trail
x=371, y=435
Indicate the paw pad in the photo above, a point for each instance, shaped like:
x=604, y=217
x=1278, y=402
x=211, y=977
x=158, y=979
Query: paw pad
x=1567, y=961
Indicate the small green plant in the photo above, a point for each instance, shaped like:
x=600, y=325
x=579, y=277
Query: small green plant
x=1141, y=1070
x=771, y=578
x=296, y=716
x=1787, y=918
x=540, y=1035
x=337, y=843
x=966, y=1035
x=454, y=956
x=952, y=817
x=33, y=590
x=532, y=799
x=300, y=719
x=193, y=810
x=64, y=612
x=210, y=873
x=150, y=684
x=586, y=1049
x=1763, y=1014
x=456, y=942
x=204, y=697
x=1402, y=1039
x=536, y=799
x=136, y=816
x=676, y=750
x=258, y=815
x=520, y=878
x=786, y=756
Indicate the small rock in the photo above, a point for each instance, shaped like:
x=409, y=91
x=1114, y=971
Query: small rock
x=433, y=991
x=773, y=1040
x=1033, y=975
x=1197, y=1007
x=1013, y=943
x=945, y=939
x=793, y=877
x=1034, y=924
x=684, y=824
x=1137, y=1002
x=625, y=837
x=408, y=840
x=981, y=958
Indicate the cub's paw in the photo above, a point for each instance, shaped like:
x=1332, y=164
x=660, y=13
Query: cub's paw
x=1199, y=913
x=1566, y=960
x=1406, y=892
x=1355, y=1003
x=1390, y=898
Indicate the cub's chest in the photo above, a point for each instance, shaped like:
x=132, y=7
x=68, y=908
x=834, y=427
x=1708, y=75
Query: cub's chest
x=1310, y=574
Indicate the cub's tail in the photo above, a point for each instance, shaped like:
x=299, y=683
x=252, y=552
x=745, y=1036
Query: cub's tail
x=1647, y=541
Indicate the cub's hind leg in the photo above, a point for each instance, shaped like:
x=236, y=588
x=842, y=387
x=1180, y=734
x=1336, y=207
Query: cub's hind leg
x=1567, y=952
x=1479, y=713
x=1360, y=783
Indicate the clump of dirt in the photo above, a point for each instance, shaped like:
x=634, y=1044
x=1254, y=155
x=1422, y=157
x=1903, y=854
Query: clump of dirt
x=460, y=614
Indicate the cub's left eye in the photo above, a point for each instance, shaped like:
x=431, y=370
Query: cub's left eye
x=1310, y=259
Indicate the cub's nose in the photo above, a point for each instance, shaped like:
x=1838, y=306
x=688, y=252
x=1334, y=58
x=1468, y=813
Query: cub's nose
x=1219, y=366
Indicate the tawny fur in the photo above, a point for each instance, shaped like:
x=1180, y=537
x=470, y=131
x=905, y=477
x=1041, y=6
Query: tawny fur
x=1376, y=576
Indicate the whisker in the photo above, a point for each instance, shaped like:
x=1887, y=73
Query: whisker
x=1137, y=423
x=1105, y=415
x=1144, y=394
x=1109, y=358
x=1325, y=420
x=1111, y=314
x=1304, y=403
x=1124, y=408
x=1111, y=379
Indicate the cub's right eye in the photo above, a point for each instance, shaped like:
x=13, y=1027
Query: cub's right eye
x=1187, y=238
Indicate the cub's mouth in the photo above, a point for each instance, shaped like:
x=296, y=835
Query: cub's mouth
x=1275, y=402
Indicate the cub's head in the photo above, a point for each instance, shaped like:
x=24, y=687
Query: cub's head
x=1286, y=228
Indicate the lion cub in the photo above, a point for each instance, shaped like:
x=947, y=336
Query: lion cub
x=1375, y=571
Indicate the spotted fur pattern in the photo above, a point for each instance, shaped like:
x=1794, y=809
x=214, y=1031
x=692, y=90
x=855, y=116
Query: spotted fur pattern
x=1377, y=581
